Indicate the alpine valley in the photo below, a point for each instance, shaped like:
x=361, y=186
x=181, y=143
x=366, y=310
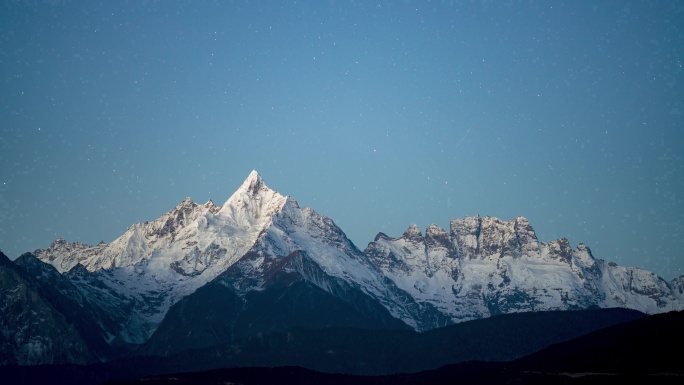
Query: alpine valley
x=259, y=265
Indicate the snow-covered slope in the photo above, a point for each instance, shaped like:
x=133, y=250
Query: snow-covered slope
x=487, y=266
x=186, y=237
x=302, y=231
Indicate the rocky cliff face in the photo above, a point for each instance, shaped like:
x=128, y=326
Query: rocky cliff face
x=677, y=286
x=486, y=266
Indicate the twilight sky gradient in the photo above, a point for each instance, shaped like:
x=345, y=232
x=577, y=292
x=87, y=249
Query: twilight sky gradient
x=376, y=114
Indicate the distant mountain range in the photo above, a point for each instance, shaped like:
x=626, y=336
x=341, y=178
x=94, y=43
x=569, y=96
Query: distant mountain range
x=259, y=265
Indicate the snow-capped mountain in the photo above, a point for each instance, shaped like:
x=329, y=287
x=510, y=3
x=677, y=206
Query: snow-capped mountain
x=300, y=270
x=202, y=274
x=155, y=264
x=486, y=266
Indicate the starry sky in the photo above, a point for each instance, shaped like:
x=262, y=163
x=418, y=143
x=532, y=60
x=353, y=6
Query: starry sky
x=377, y=114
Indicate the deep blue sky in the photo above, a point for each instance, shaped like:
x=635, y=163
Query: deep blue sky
x=376, y=114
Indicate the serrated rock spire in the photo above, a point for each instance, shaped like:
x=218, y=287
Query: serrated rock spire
x=253, y=183
x=253, y=204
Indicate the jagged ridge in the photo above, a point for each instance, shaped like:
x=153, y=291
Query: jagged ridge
x=486, y=266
